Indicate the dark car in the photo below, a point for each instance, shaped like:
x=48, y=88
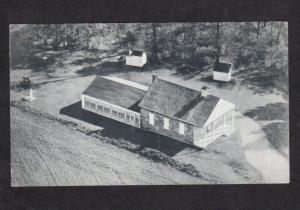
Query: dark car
x=25, y=82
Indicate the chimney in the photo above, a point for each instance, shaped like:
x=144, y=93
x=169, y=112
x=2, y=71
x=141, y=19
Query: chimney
x=204, y=91
x=154, y=77
x=130, y=52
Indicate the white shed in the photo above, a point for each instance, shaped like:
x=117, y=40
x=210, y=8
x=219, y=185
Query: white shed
x=136, y=58
x=222, y=71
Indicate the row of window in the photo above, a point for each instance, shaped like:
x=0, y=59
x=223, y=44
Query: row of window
x=120, y=115
x=166, y=123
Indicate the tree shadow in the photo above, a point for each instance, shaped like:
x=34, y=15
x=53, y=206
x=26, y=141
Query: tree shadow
x=261, y=80
x=272, y=111
x=118, y=130
x=219, y=84
x=277, y=134
x=91, y=61
x=186, y=75
x=86, y=61
x=107, y=68
x=94, y=56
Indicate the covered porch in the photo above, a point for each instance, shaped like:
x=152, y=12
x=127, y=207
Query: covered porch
x=215, y=129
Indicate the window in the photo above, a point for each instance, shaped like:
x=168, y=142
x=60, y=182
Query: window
x=127, y=117
x=132, y=118
x=93, y=106
x=137, y=121
x=151, y=119
x=106, y=110
x=166, y=123
x=121, y=115
x=100, y=108
x=86, y=103
x=114, y=113
x=181, y=128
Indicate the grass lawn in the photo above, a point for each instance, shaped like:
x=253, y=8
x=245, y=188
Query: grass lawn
x=274, y=120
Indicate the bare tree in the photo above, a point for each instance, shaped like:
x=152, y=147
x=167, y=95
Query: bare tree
x=218, y=42
x=257, y=34
x=119, y=36
x=154, y=44
x=278, y=35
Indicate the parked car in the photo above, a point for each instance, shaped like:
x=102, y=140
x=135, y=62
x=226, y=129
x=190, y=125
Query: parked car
x=25, y=82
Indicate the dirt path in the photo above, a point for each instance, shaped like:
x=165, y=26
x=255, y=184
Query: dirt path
x=45, y=153
x=259, y=153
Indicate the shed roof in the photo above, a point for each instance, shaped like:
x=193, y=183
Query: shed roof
x=222, y=67
x=114, y=92
x=178, y=101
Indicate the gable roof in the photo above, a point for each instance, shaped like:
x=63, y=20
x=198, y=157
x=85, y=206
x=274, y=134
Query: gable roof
x=137, y=53
x=179, y=102
x=114, y=92
x=222, y=67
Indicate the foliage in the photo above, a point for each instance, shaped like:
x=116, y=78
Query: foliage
x=245, y=44
x=129, y=40
x=20, y=45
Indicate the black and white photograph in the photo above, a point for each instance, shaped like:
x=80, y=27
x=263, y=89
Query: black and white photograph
x=171, y=103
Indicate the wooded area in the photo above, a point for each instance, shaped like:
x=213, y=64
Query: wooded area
x=197, y=44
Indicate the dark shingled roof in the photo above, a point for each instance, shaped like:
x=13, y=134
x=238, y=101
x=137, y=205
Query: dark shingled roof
x=222, y=67
x=178, y=101
x=137, y=53
x=114, y=92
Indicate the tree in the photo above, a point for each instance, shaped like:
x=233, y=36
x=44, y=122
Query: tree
x=218, y=43
x=278, y=34
x=154, y=45
x=196, y=44
x=257, y=34
x=130, y=39
x=119, y=36
x=21, y=46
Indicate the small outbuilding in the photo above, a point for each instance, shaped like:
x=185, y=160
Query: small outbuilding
x=222, y=71
x=136, y=58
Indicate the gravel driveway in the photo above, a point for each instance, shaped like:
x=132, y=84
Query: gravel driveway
x=259, y=153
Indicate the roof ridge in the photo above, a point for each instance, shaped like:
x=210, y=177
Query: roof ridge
x=188, y=106
x=178, y=85
x=127, y=82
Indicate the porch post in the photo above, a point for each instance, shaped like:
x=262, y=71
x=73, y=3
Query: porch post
x=82, y=101
x=224, y=122
x=204, y=128
x=232, y=120
x=213, y=130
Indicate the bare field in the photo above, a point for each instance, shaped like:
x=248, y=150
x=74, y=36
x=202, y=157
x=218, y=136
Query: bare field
x=45, y=153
